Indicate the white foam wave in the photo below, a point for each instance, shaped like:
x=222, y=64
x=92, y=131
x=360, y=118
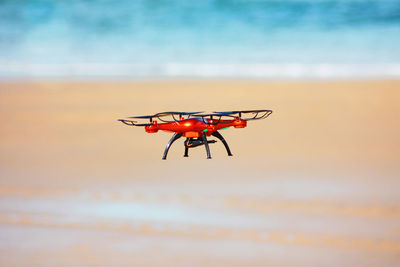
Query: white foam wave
x=183, y=70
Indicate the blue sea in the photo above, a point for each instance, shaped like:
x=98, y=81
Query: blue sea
x=206, y=38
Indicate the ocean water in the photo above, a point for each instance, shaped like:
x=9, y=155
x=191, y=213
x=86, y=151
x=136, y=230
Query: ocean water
x=208, y=38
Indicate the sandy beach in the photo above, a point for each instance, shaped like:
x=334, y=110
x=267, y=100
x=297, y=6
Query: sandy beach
x=317, y=183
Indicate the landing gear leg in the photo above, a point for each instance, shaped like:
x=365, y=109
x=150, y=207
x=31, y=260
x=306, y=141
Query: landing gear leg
x=219, y=136
x=203, y=136
x=175, y=137
x=186, y=148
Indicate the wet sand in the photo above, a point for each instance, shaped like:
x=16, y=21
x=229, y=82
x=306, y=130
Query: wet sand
x=317, y=183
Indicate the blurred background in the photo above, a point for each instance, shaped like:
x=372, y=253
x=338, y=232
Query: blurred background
x=314, y=184
x=224, y=38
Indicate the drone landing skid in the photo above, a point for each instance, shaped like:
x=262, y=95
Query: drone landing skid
x=191, y=142
x=219, y=136
x=175, y=137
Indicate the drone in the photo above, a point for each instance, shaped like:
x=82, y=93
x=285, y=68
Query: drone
x=196, y=126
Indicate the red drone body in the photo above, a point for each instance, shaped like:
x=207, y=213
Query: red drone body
x=196, y=126
x=191, y=128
